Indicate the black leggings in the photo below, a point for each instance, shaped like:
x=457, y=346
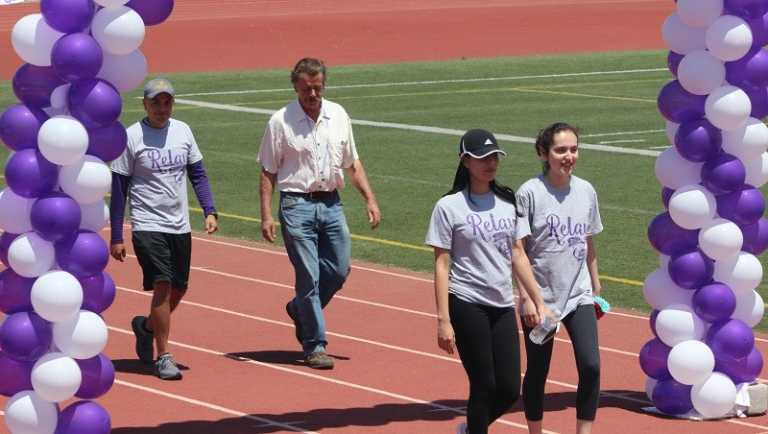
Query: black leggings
x=582, y=328
x=489, y=347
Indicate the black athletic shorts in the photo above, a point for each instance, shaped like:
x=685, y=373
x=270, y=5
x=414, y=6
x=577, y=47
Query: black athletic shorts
x=163, y=258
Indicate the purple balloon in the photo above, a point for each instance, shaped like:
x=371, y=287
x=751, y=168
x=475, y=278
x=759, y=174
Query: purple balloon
x=671, y=397
x=759, y=27
x=755, y=237
x=744, y=206
x=669, y=238
x=107, y=143
x=5, y=242
x=55, y=216
x=153, y=12
x=25, y=336
x=698, y=140
x=33, y=85
x=745, y=8
x=19, y=126
x=744, y=370
x=98, y=292
x=732, y=338
x=98, y=376
x=678, y=105
x=83, y=255
x=758, y=95
x=673, y=62
x=750, y=69
x=76, y=56
x=15, y=292
x=723, y=173
x=691, y=269
x=666, y=195
x=29, y=174
x=84, y=417
x=95, y=103
x=17, y=375
x=714, y=302
x=654, y=315
x=653, y=359
x=68, y=16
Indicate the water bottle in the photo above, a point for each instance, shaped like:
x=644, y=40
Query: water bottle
x=546, y=329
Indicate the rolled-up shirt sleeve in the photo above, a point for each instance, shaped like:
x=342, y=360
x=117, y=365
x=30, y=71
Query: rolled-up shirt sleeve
x=269, y=152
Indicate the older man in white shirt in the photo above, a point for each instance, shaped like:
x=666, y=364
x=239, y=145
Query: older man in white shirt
x=305, y=148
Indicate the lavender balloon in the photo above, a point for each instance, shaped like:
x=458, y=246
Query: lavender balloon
x=33, y=85
x=744, y=370
x=673, y=62
x=68, y=16
x=691, y=269
x=98, y=375
x=19, y=126
x=723, y=173
x=83, y=255
x=25, y=336
x=671, y=397
x=153, y=12
x=84, y=417
x=15, y=292
x=107, y=143
x=698, y=140
x=751, y=69
x=755, y=237
x=678, y=105
x=98, y=292
x=669, y=238
x=732, y=338
x=76, y=56
x=95, y=103
x=714, y=302
x=29, y=174
x=653, y=359
x=744, y=206
x=55, y=216
x=16, y=375
x=5, y=242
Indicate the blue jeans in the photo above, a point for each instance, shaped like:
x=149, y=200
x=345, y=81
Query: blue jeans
x=318, y=244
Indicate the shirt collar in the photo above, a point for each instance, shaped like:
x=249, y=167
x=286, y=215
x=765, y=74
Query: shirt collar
x=301, y=115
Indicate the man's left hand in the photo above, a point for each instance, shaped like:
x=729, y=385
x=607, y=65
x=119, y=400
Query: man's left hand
x=211, y=224
x=374, y=215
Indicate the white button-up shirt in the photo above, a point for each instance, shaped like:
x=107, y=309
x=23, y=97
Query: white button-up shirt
x=306, y=155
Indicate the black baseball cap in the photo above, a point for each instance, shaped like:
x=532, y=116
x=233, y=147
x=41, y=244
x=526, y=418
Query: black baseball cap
x=478, y=143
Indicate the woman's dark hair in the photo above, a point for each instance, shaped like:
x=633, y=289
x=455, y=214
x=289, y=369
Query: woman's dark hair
x=461, y=182
x=546, y=139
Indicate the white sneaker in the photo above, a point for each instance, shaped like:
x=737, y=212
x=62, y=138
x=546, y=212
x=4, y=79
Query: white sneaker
x=462, y=428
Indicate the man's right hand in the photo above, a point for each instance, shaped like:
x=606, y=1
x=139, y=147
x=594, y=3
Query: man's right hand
x=117, y=251
x=269, y=230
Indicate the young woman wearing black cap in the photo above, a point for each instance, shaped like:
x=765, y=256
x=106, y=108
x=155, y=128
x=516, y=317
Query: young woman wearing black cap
x=476, y=236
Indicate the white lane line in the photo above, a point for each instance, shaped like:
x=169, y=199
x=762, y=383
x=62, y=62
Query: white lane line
x=419, y=128
x=208, y=405
x=329, y=380
x=429, y=82
x=608, y=142
x=621, y=133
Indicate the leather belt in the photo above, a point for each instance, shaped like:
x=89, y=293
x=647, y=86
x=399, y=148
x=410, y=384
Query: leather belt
x=314, y=195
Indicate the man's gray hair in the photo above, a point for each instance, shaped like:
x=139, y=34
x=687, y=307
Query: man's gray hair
x=309, y=66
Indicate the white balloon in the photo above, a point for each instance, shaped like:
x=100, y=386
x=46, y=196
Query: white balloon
x=81, y=337
x=650, y=384
x=681, y=38
x=671, y=130
x=33, y=39
x=111, y=3
x=94, y=216
x=699, y=13
x=757, y=170
x=700, y=72
x=57, y=296
x=62, y=140
x=714, y=397
x=729, y=38
x=27, y=413
x=87, y=180
x=678, y=323
x=30, y=256
x=691, y=362
x=15, y=212
x=60, y=97
x=119, y=30
x=721, y=239
x=727, y=107
x=674, y=171
x=126, y=72
x=56, y=377
x=750, y=308
x=742, y=273
x=661, y=291
x=692, y=206
x=748, y=141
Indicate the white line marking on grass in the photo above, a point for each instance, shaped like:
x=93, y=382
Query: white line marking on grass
x=428, y=82
x=621, y=133
x=208, y=405
x=608, y=142
x=659, y=147
x=419, y=128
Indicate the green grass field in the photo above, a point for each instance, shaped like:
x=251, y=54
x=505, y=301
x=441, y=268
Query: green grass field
x=615, y=102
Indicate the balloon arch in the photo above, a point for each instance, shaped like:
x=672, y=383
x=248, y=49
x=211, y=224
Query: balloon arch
x=704, y=292
x=79, y=54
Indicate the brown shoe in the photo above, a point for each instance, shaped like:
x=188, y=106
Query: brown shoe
x=319, y=360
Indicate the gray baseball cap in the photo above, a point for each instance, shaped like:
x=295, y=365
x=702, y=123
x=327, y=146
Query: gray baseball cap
x=157, y=86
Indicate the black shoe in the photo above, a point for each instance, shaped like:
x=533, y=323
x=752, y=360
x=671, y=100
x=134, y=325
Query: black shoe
x=295, y=318
x=319, y=360
x=145, y=348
